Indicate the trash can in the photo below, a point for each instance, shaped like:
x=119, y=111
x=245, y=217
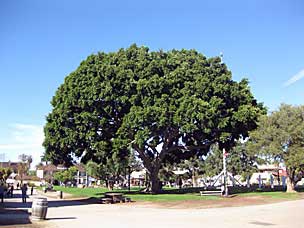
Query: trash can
x=39, y=208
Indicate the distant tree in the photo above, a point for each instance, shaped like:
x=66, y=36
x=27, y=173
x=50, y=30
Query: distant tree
x=29, y=160
x=4, y=174
x=104, y=172
x=133, y=163
x=32, y=172
x=240, y=161
x=65, y=176
x=168, y=106
x=22, y=170
x=26, y=159
x=24, y=165
x=194, y=167
x=280, y=138
x=58, y=176
x=213, y=163
x=40, y=164
x=107, y=172
x=167, y=175
x=97, y=171
x=49, y=178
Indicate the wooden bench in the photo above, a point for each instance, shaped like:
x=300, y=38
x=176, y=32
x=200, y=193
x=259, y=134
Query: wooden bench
x=211, y=193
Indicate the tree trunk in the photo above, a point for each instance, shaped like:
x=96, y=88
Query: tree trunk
x=194, y=178
x=290, y=185
x=155, y=183
x=153, y=167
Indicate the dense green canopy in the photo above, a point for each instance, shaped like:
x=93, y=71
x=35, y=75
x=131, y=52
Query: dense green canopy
x=280, y=138
x=166, y=106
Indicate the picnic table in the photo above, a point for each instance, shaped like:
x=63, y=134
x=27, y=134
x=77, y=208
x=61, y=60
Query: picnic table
x=114, y=197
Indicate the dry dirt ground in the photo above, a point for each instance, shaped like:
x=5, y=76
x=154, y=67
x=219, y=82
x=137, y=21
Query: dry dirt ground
x=232, y=201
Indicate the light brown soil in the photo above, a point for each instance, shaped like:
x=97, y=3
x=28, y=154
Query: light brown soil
x=233, y=201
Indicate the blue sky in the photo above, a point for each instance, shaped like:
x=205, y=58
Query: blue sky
x=41, y=42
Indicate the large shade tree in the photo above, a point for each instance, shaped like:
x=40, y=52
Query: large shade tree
x=279, y=138
x=166, y=106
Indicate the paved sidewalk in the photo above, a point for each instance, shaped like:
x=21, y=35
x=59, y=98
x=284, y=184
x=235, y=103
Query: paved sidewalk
x=279, y=215
x=82, y=213
x=15, y=213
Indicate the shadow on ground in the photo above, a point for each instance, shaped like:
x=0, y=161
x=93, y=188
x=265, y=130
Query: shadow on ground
x=16, y=214
x=53, y=203
x=12, y=217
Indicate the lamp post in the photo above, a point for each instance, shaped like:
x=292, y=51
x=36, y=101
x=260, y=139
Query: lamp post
x=129, y=167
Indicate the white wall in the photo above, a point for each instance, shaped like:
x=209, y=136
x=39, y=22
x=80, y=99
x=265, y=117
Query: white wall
x=39, y=173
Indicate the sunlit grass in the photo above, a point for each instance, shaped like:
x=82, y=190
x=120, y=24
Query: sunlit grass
x=171, y=197
x=99, y=192
x=84, y=192
x=135, y=195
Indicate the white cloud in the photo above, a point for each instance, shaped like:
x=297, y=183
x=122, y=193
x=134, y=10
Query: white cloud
x=295, y=78
x=23, y=139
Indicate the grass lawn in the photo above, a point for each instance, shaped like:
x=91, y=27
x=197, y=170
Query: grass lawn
x=99, y=192
x=171, y=197
x=85, y=192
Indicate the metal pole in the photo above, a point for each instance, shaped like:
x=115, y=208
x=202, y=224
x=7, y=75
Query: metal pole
x=129, y=178
x=87, y=180
x=225, y=173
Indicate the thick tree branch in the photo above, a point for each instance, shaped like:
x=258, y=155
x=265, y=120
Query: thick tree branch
x=187, y=148
x=147, y=162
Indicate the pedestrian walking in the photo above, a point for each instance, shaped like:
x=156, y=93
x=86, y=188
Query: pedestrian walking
x=180, y=182
x=32, y=190
x=8, y=191
x=18, y=185
x=223, y=189
x=1, y=192
x=24, y=190
x=12, y=191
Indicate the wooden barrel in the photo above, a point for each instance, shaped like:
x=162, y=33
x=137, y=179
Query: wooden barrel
x=39, y=208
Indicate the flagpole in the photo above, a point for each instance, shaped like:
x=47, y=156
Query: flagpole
x=225, y=173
